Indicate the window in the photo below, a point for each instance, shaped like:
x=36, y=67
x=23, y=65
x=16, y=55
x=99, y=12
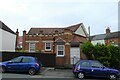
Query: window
x=16, y=60
x=31, y=47
x=85, y=64
x=47, y=46
x=96, y=64
x=26, y=60
x=60, y=50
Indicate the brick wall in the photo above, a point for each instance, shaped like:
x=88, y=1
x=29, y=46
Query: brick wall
x=67, y=37
x=113, y=40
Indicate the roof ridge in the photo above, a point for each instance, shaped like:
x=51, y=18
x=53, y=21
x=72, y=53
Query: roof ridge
x=51, y=29
x=99, y=34
x=74, y=25
x=47, y=28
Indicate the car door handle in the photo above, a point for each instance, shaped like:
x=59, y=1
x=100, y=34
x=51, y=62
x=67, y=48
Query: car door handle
x=92, y=70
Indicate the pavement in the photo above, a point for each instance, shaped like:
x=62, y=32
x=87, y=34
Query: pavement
x=45, y=73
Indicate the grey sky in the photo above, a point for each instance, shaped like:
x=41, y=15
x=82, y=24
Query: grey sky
x=24, y=14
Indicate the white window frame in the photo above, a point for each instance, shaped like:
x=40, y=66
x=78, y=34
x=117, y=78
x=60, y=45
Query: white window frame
x=32, y=48
x=60, y=50
x=46, y=46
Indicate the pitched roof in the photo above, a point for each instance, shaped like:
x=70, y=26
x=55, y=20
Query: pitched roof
x=59, y=40
x=4, y=27
x=98, y=37
x=113, y=35
x=53, y=30
x=105, y=36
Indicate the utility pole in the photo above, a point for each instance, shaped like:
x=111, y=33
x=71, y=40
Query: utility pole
x=89, y=33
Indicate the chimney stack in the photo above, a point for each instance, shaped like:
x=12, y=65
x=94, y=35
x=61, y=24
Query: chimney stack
x=24, y=38
x=107, y=30
x=17, y=39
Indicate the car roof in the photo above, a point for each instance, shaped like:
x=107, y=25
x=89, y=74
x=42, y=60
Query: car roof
x=87, y=60
x=26, y=56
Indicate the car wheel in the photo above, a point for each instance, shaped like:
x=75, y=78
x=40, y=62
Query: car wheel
x=80, y=75
x=32, y=71
x=113, y=77
x=2, y=69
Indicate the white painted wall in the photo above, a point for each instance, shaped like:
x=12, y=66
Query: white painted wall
x=7, y=40
x=0, y=40
x=98, y=41
x=80, y=31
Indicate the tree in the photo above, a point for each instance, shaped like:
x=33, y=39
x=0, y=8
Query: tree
x=101, y=53
x=115, y=56
x=87, y=49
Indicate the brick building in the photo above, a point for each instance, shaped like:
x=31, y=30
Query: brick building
x=64, y=42
x=107, y=38
x=112, y=38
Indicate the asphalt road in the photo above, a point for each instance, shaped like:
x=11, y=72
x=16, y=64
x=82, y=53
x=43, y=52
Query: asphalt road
x=46, y=74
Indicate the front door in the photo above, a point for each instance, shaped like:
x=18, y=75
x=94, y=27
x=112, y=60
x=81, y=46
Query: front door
x=74, y=54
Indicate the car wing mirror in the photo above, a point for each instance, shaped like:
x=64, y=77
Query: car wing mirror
x=103, y=67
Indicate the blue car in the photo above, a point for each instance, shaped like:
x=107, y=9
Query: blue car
x=21, y=64
x=92, y=68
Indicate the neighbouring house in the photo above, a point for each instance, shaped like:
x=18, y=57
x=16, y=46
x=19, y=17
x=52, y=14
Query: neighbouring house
x=108, y=38
x=64, y=42
x=113, y=38
x=7, y=38
x=98, y=39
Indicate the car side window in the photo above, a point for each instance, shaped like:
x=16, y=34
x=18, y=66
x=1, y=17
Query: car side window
x=26, y=60
x=16, y=60
x=85, y=64
x=96, y=64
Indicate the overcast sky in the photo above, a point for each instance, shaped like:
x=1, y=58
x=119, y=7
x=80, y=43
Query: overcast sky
x=24, y=14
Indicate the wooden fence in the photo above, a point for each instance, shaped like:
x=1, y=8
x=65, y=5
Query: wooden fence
x=48, y=60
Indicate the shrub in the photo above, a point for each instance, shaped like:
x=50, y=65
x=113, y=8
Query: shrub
x=107, y=55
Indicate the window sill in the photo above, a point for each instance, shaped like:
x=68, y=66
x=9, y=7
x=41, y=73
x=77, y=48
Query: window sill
x=60, y=56
x=48, y=50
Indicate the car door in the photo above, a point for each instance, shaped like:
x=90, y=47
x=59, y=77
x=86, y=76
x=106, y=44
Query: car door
x=25, y=64
x=13, y=65
x=85, y=66
x=98, y=70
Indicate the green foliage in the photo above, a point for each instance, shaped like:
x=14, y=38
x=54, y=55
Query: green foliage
x=107, y=55
x=88, y=48
x=20, y=51
x=115, y=56
x=38, y=51
x=101, y=53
